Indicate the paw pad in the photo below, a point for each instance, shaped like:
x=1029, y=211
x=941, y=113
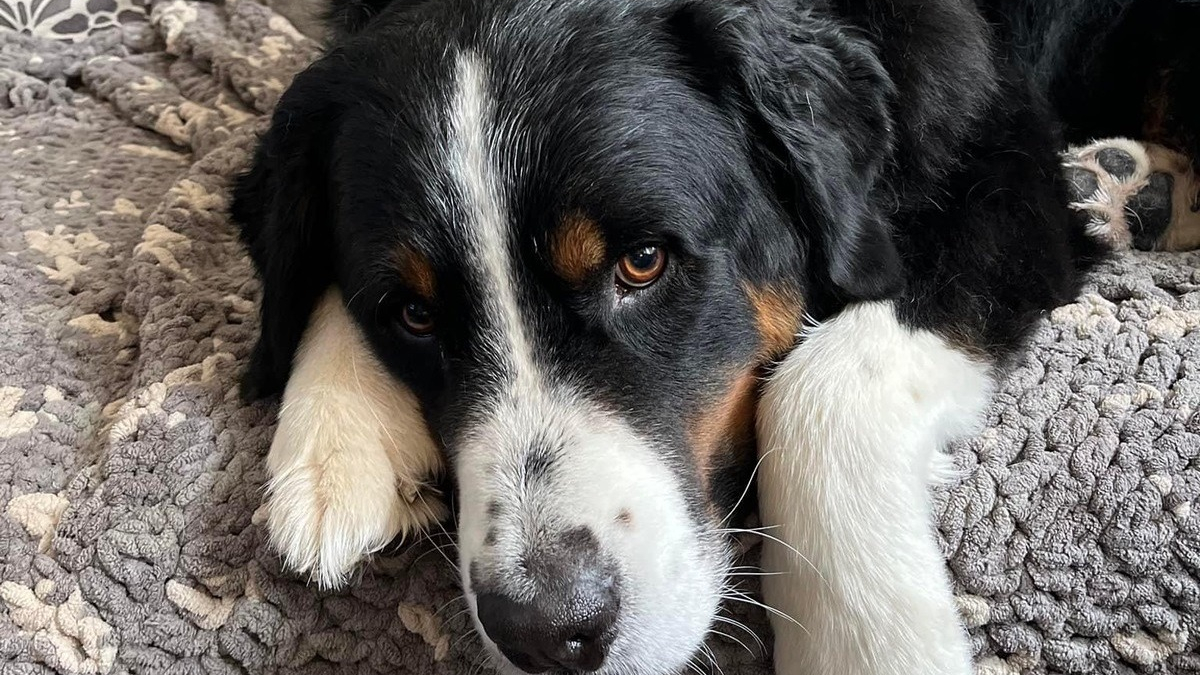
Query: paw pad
x=1083, y=183
x=1118, y=163
x=1126, y=192
x=1151, y=211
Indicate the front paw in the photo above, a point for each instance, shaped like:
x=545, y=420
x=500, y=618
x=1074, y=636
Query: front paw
x=352, y=459
x=330, y=511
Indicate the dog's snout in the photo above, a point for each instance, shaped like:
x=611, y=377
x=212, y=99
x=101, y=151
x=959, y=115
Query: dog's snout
x=567, y=622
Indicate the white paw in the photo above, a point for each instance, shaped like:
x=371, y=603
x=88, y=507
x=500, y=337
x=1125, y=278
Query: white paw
x=351, y=458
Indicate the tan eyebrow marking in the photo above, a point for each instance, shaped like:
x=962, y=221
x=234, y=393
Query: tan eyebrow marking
x=577, y=248
x=417, y=272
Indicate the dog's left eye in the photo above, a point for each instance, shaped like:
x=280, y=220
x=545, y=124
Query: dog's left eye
x=417, y=319
x=642, y=266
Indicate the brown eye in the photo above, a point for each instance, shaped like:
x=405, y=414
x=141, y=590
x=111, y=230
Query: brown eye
x=641, y=267
x=418, y=320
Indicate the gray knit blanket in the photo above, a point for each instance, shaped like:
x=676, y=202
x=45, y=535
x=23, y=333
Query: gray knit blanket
x=131, y=529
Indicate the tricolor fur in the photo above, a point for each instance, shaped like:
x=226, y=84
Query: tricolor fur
x=849, y=214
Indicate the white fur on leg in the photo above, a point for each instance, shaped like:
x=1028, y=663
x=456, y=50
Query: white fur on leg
x=351, y=456
x=851, y=422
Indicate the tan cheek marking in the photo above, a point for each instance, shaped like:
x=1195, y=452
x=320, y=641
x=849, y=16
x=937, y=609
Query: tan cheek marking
x=416, y=272
x=724, y=430
x=727, y=426
x=577, y=248
x=777, y=315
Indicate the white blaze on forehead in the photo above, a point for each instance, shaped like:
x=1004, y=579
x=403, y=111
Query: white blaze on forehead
x=486, y=230
x=670, y=578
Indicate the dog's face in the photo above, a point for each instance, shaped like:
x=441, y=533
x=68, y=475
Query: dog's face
x=575, y=233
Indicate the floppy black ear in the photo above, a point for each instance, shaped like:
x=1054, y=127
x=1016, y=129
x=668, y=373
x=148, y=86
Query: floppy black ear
x=816, y=100
x=283, y=206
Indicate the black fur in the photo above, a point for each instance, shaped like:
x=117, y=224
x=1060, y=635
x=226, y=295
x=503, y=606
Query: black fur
x=284, y=206
x=1103, y=63
x=848, y=150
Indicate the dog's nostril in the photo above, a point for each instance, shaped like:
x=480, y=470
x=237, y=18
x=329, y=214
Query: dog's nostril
x=568, y=624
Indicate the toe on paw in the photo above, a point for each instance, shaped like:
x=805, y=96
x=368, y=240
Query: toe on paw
x=1083, y=184
x=1117, y=162
x=1150, y=211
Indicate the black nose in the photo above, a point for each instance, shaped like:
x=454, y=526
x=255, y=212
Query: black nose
x=571, y=633
x=569, y=620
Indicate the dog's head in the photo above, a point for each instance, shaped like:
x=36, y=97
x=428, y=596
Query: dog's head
x=579, y=231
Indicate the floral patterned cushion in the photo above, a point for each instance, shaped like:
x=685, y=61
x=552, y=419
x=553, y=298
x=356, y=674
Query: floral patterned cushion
x=69, y=20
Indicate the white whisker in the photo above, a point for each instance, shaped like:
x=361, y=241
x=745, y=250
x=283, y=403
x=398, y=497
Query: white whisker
x=746, y=490
x=712, y=658
x=786, y=545
x=738, y=596
x=440, y=550
x=730, y=621
x=729, y=637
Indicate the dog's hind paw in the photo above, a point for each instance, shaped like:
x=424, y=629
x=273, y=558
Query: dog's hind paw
x=1135, y=195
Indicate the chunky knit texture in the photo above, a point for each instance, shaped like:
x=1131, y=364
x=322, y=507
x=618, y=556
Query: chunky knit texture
x=131, y=528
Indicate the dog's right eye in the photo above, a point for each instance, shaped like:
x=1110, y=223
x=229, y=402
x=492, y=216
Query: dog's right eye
x=641, y=267
x=417, y=319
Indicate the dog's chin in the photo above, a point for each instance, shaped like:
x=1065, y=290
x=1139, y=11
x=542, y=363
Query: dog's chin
x=663, y=624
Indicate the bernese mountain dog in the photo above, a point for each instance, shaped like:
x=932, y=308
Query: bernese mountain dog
x=607, y=260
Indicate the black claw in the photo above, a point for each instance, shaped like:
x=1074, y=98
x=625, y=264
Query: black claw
x=1118, y=163
x=1150, y=211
